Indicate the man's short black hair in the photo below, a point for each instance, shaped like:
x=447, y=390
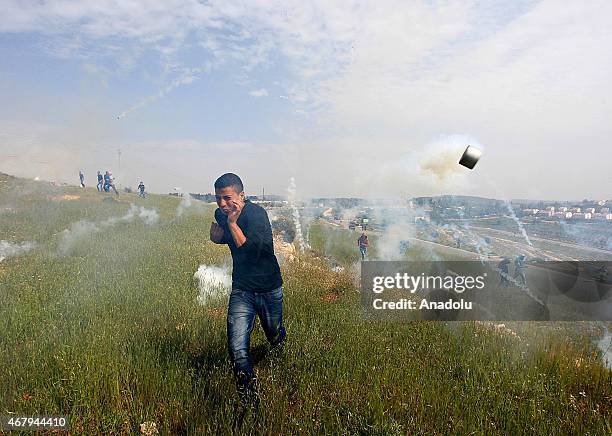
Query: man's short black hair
x=229, y=179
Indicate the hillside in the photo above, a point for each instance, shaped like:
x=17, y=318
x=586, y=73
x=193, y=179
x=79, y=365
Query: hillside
x=100, y=320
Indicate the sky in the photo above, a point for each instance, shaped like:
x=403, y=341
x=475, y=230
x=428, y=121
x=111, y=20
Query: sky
x=367, y=99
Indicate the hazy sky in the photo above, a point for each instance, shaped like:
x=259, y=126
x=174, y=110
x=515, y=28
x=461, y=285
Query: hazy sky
x=369, y=99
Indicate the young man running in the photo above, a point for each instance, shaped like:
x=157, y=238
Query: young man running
x=256, y=278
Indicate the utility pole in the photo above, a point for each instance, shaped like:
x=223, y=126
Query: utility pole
x=263, y=194
x=119, y=161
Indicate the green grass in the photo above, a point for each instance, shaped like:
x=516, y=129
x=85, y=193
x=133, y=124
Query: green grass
x=112, y=336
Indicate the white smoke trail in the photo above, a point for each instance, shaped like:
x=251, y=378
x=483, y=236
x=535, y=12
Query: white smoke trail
x=83, y=228
x=184, y=79
x=518, y=222
x=212, y=281
x=296, y=215
x=10, y=249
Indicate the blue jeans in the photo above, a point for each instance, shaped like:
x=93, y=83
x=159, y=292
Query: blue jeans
x=243, y=306
x=363, y=252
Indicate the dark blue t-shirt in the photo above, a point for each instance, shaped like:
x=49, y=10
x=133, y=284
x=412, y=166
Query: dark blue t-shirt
x=255, y=267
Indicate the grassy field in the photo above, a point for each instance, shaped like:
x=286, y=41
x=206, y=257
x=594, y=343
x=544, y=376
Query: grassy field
x=107, y=329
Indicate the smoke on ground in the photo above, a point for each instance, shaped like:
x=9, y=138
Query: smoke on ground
x=11, y=249
x=188, y=204
x=213, y=281
x=389, y=244
x=84, y=228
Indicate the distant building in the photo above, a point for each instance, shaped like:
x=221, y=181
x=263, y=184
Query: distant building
x=604, y=210
x=563, y=209
x=590, y=210
x=581, y=216
x=575, y=210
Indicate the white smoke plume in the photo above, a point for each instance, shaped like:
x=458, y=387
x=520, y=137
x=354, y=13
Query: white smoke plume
x=83, y=228
x=605, y=345
x=10, y=249
x=213, y=281
x=184, y=204
x=187, y=203
x=295, y=213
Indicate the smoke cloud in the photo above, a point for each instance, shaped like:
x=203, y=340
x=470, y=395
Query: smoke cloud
x=213, y=281
x=11, y=249
x=84, y=228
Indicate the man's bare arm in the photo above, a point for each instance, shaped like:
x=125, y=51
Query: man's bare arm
x=237, y=234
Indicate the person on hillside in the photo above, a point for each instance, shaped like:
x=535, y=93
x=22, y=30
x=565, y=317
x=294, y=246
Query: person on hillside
x=519, y=270
x=82, y=178
x=504, y=274
x=363, y=244
x=141, y=190
x=100, y=181
x=111, y=183
x=106, y=181
x=256, y=279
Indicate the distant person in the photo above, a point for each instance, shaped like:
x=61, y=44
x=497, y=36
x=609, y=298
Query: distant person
x=100, y=181
x=256, y=279
x=519, y=269
x=82, y=178
x=106, y=181
x=141, y=190
x=111, y=182
x=363, y=243
x=504, y=273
